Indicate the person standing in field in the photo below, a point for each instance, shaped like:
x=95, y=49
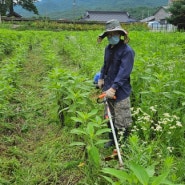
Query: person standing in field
x=115, y=77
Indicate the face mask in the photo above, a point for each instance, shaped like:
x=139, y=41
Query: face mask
x=114, y=39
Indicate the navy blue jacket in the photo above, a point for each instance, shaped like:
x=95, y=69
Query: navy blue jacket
x=118, y=64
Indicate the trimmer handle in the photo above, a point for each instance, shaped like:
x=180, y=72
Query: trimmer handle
x=103, y=96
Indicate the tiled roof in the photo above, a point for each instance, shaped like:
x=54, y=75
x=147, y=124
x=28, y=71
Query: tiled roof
x=160, y=14
x=147, y=19
x=104, y=16
x=14, y=14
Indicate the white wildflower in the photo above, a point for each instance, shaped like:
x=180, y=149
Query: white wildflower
x=166, y=114
x=134, y=129
x=136, y=111
x=158, y=128
x=143, y=128
x=167, y=119
x=173, y=127
x=170, y=149
x=152, y=128
x=165, y=122
x=160, y=122
x=178, y=123
x=152, y=108
x=175, y=117
x=151, y=121
x=146, y=118
x=145, y=114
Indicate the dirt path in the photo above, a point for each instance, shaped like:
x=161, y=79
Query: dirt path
x=39, y=151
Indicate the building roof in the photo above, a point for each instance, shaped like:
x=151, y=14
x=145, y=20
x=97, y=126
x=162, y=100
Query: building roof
x=15, y=15
x=147, y=19
x=104, y=16
x=165, y=8
x=161, y=14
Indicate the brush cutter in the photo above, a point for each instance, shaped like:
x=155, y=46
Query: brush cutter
x=116, y=153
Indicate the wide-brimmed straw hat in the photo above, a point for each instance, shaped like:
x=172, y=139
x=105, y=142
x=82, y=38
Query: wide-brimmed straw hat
x=113, y=25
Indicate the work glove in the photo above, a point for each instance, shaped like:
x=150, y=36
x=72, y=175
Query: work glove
x=110, y=93
x=100, y=83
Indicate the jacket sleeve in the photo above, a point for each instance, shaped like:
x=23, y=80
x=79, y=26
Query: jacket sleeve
x=125, y=69
x=102, y=72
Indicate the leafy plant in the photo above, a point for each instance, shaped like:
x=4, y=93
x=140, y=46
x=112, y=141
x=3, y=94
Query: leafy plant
x=137, y=174
x=89, y=135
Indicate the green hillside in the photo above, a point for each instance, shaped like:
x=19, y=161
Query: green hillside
x=70, y=10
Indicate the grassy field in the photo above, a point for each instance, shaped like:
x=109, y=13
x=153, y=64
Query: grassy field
x=46, y=75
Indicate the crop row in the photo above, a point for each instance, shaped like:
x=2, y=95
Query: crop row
x=158, y=98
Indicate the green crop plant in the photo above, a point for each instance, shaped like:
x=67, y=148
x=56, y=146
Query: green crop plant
x=60, y=67
x=71, y=93
x=142, y=166
x=7, y=43
x=83, y=51
x=138, y=175
x=14, y=54
x=89, y=137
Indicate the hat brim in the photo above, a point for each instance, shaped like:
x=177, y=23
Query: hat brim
x=104, y=34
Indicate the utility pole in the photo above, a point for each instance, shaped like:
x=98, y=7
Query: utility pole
x=74, y=9
x=142, y=14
